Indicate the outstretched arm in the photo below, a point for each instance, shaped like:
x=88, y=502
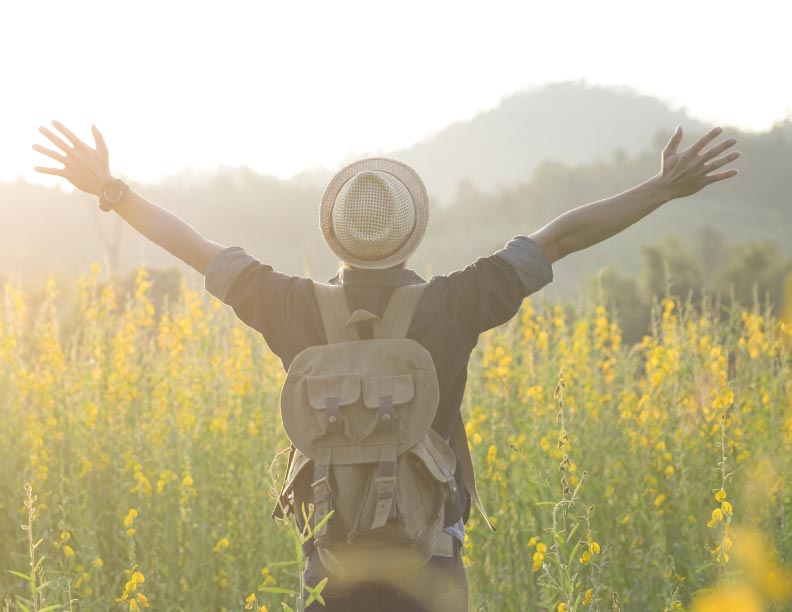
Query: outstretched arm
x=89, y=170
x=681, y=174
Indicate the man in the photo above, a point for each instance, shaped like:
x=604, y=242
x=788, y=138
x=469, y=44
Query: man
x=373, y=216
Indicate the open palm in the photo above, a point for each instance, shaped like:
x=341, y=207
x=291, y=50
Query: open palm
x=689, y=171
x=86, y=168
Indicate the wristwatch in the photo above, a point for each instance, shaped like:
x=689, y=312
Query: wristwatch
x=112, y=193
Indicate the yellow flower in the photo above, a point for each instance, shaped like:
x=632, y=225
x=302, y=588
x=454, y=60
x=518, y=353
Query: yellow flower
x=541, y=547
x=130, y=517
x=562, y=607
x=736, y=598
x=587, y=598
x=585, y=557
x=594, y=547
x=143, y=600
x=249, y=601
x=221, y=544
x=537, y=561
x=532, y=542
x=720, y=495
x=659, y=500
x=727, y=508
x=717, y=517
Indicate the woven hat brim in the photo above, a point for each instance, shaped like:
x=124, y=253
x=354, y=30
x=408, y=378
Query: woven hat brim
x=415, y=186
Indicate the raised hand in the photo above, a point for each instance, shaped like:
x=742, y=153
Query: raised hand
x=684, y=173
x=86, y=168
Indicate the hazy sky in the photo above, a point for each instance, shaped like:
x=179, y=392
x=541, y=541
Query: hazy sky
x=288, y=85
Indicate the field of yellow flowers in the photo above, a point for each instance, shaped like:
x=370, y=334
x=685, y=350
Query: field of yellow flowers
x=139, y=447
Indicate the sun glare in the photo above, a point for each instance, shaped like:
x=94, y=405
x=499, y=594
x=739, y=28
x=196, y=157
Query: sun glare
x=283, y=87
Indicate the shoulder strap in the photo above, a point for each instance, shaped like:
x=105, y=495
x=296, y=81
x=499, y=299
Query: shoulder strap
x=468, y=475
x=400, y=309
x=335, y=313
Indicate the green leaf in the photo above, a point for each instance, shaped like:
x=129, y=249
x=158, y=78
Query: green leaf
x=284, y=563
x=316, y=592
x=39, y=562
x=42, y=586
x=19, y=575
x=277, y=590
x=573, y=554
x=23, y=608
x=574, y=529
x=50, y=608
x=545, y=503
x=286, y=607
x=319, y=525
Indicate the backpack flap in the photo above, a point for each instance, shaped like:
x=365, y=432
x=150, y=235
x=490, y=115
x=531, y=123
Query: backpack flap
x=353, y=374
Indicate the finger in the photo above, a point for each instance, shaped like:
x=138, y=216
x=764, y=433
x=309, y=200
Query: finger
x=56, y=140
x=702, y=142
x=719, y=163
x=55, y=171
x=99, y=140
x=50, y=153
x=719, y=176
x=76, y=142
x=673, y=144
x=718, y=149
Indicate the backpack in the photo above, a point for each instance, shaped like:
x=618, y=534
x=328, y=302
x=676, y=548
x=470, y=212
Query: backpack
x=359, y=415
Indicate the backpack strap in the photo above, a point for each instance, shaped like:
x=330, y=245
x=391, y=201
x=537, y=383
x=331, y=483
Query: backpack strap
x=400, y=309
x=468, y=475
x=322, y=493
x=334, y=309
x=385, y=485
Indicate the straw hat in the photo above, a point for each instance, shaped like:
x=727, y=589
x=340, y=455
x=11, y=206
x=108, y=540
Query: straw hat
x=374, y=213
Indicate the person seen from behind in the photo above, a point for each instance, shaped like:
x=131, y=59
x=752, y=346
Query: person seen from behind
x=373, y=215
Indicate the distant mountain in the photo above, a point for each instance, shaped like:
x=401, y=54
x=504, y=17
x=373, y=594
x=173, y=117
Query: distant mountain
x=572, y=123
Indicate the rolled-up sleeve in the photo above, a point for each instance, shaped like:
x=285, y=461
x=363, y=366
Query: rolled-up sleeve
x=529, y=262
x=262, y=298
x=225, y=269
x=488, y=292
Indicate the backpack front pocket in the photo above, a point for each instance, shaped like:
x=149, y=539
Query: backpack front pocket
x=386, y=398
x=332, y=398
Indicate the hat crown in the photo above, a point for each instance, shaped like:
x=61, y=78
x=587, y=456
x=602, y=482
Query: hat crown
x=373, y=215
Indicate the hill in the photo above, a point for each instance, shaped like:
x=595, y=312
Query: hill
x=570, y=123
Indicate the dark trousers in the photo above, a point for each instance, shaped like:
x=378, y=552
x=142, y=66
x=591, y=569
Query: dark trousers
x=440, y=586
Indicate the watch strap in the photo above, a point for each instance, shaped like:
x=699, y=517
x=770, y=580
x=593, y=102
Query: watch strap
x=112, y=193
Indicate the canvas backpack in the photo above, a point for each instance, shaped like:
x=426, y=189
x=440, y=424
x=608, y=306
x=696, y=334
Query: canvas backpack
x=359, y=414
